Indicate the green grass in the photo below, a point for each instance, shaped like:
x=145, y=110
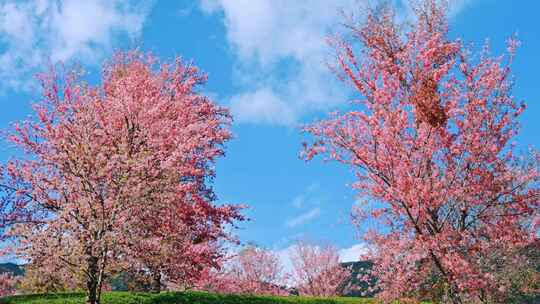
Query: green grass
x=177, y=298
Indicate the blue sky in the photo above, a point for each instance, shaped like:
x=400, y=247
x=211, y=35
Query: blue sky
x=265, y=60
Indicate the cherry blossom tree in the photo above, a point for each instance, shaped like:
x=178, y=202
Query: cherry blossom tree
x=253, y=270
x=317, y=270
x=103, y=158
x=49, y=277
x=430, y=138
x=8, y=284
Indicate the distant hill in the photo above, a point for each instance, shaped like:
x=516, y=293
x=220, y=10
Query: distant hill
x=13, y=268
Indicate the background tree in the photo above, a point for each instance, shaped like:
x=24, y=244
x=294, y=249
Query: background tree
x=49, y=277
x=8, y=284
x=430, y=139
x=101, y=156
x=317, y=270
x=253, y=270
x=521, y=276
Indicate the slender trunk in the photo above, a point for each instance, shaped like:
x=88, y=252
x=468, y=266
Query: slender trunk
x=156, y=282
x=101, y=274
x=100, y=284
x=454, y=297
x=92, y=281
x=452, y=294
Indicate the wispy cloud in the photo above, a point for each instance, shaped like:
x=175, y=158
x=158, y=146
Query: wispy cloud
x=311, y=196
x=304, y=217
x=36, y=32
x=263, y=35
x=299, y=201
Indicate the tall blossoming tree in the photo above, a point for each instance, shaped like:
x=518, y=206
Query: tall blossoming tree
x=430, y=138
x=106, y=161
x=317, y=270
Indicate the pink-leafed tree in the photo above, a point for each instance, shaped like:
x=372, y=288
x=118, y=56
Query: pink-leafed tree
x=106, y=160
x=49, y=277
x=430, y=138
x=163, y=235
x=253, y=270
x=8, y=284
x=317, y=270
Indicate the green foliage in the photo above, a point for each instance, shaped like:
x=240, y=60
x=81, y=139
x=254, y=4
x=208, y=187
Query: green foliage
x=130, y=281
x=177, y=298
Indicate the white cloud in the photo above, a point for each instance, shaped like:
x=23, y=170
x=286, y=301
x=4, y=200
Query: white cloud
x=457, y=6
x=267, y=30
x=284, y=256
x=35, y=31
x=353, y=253
x=266, y=33
x=261, y=105
x=209, y=6
x=304, y=217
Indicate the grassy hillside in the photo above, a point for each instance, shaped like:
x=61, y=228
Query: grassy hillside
x=177, y=298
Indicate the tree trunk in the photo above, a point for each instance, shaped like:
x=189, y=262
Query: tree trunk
x=92, y=281
x=452, y=294
x=156, y=282
x=454, y=298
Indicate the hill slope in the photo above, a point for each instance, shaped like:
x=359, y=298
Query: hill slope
x=15, y=269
